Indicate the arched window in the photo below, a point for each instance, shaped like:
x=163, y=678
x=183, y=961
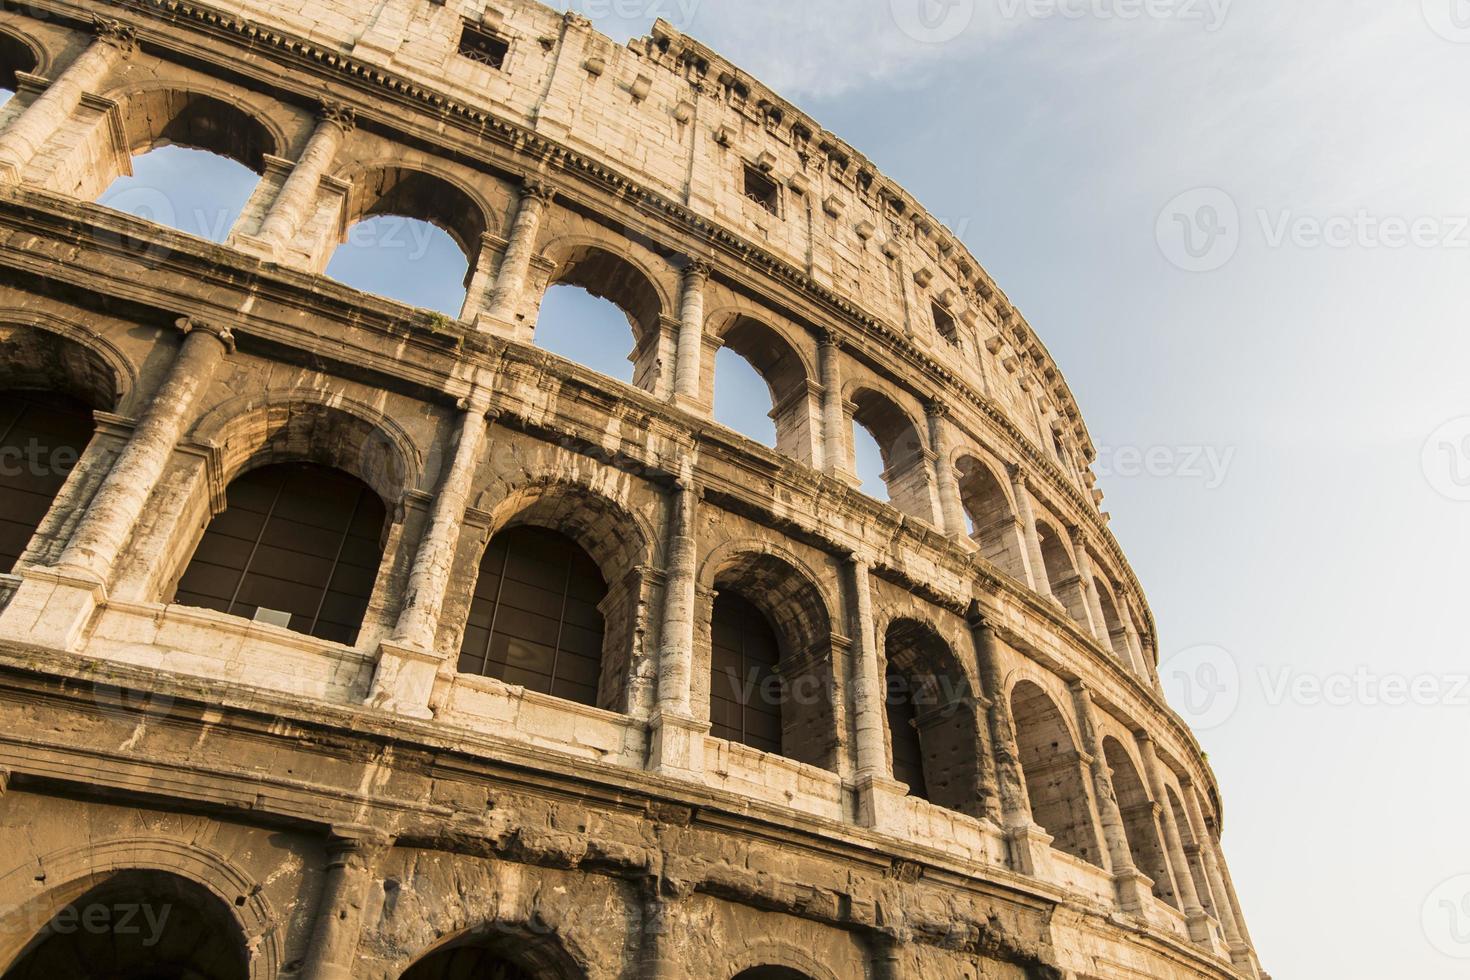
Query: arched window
x=933, y=730
x=299, y=545
x=595, y=303
x=1140, y=825
x=15, y=56
x=906, y=470
x=466, y=963
x=498, y=951
x=745, y=691
x=769, y=378
x=142, y=925
x=42, y=436
x=903, y=733
x=536, y=620
x=742, y=398
x=412, y=237
x=771, y=973
x=196, y=161
x=1117, y=633
x=993, y=524
x=1066, y=584
x=1053, y=772
x=867, y=463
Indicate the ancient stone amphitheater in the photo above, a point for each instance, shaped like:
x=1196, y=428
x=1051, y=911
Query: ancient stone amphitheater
x=343, y=639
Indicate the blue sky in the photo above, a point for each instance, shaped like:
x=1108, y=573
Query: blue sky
x=1240, y=227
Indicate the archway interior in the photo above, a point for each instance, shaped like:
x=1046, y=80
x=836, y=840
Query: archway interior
x=138, y=925
x=467, y=963
x=15, y=56
x=586, y=330
x=1140, y=825
x=771, y=973
x=745, y=689
x=42, y=435
x=535, y=620
x=903, y=729
x=743, y=398
x=1051, y=767
x=298, y=545
x=867, y=460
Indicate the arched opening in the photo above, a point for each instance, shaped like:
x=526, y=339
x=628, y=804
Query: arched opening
x=867, y=463
x=411, y=237
x=466, y=963
x=298, y=545
x=196, y=161
x=1117, y=633
x=1066, y=584
x=933, y=730
x=498, y=951
x=1053, y=772
x=15, y=56
x=1192, y=853
x=906, y=471
x=771, y=973
x=138, y=925
x=993, y=524
x=766, y=376
x=536, y=619
x=595, y=298
x=770, y=661
x=1140, y=825
x=42, y=436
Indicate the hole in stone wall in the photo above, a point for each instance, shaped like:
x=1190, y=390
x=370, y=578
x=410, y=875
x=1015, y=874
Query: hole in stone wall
x=867, y=458
x=762, y=190
x=944, y=322
x=488, y=48
x=405, y=259
x=194, y=191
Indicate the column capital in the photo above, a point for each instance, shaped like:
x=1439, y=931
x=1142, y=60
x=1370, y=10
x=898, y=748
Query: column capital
x=122, y=36
x=936, y=408
x=538, y=189
x=188, y=325
x=339, y=114
x=828, y=337
x=697, y=272
x=478, y=402
x=1018, y=476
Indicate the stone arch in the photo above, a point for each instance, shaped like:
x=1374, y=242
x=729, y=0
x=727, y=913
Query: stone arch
x=996, y=527
x=78, y=869
x=616, y=540
x=199, y=115
x=783, y=367
x=906, y=469
x=1054, y=772
x=1061, y=573
x=1140, y=819
x=19, y=53
x=421, y=192
x=928, y=687
x=1113, y=622
x=775, y=959
x=785, y=593
x=46, y=354
x=518, y=951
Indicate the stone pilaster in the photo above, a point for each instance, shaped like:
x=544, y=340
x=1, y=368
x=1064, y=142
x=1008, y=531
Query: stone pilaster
x=1090, y=595
x=1026, y=512
x=1127, y=880
x=689, y=360
x=298, y=195
x=880, y=796
x=678, y=738
x=834, y=439
x=508, y=296
x=352, y=856
x=1240, y=951
x=29, y=131
x=951, y=507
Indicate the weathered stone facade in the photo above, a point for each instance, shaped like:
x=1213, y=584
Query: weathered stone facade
x=317, y=809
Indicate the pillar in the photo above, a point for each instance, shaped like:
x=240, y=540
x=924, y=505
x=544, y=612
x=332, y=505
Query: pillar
x=407, y=661
x=1027, y=514
x=30, y=130
x=880, y=797
x=1126, y=878
x=515, y=267
x=298, y=195
x=351, y=857
x=1089, y=586
x=119, y=502
x=1225, y=904
x=1189, y=899
x=834, y=439
x=951, y=507
x=689, y=359
x=677, y=737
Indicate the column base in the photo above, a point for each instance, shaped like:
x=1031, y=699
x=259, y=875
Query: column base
x=881, y=803
x=694, y=406
x=676, y=747
x=1244, y=960
x=1133, y=888
x=258, y=247
x=1029, y=849
x=1204, y=932
x=510, y=329
x=404, y=682
x=52, y=608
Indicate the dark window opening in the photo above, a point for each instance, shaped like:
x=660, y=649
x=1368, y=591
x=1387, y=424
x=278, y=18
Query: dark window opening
x=478, y=44
x=298, y=545
x=745, y=691
x=908, y=753
x=762, y=190
x=534, y=620
x=41, y=438
x=464, y=962
x=944, y=322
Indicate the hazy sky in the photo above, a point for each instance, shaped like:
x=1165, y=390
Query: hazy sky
x=1241, y=229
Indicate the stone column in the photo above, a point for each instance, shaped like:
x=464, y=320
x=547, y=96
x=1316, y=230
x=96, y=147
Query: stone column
x=1127, y=879
x=1089, y=587
x=834, y=441
x=1189, y=899
x=677, y=736
x=1224, y=904
x=351, y=856
x=515, y=267
x=408, y=662
x=689, y=360
x=1027, y=514
x=119, y=502
x=30, y=130
x=951, y=507
x=297, y=196
x=887, y=957
x=880, y=796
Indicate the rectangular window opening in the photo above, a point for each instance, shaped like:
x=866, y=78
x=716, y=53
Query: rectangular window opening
x=762, y=189
x=486, y=47
x=944, y=323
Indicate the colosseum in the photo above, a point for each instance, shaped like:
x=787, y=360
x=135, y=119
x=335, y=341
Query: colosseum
x=341, y=638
